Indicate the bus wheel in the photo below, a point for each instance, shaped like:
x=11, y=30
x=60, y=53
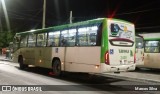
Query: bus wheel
x=21, y=65
x=57, y=67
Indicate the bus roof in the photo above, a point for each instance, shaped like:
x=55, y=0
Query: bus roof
x=61, y=27
x=151, y=36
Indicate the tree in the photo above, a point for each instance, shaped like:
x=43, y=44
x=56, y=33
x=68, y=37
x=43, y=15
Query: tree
x=6, y=38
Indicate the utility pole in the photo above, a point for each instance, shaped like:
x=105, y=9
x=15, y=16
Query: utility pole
x=6, y=15
x=1, y=28
x=44, y=14
x=70, y=17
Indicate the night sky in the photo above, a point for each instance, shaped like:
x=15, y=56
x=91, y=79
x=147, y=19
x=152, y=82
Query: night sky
x=27, y=14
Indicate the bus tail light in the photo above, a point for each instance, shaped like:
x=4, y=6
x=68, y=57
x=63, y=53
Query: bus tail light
x=107, y=58
x=135, y=58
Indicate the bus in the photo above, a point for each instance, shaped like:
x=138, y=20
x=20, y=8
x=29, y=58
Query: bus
x=152, y=50
x=93, y=46
x=139, y=51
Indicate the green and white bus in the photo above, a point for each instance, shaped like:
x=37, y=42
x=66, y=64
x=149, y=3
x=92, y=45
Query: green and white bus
x=93, y=46
x=152, y=50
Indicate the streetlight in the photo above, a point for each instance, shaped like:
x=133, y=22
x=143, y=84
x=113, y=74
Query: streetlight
x=6, y=15
x=44, y=14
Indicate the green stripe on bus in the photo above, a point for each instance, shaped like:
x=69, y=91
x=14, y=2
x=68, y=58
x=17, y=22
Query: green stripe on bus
x=151, y=38
x=104, y=41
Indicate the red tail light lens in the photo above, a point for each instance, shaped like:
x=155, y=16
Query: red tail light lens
x=135, y=58
x=107, y=58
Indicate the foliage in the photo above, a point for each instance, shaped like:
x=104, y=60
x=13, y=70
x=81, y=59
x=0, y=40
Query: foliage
x=6, y=38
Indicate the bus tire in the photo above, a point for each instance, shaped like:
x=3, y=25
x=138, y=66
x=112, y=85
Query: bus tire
x=138, y=69
x=21, y=65
x=57, y=67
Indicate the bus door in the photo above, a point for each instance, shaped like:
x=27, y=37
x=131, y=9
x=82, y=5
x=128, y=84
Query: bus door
x=40, y=50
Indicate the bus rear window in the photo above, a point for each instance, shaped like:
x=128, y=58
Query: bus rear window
x=121, y=42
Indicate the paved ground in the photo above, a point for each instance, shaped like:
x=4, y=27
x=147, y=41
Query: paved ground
x=143, y=75
x=10, y=74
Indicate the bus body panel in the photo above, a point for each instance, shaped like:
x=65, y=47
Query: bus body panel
x=15, y=56
x=28, y=55
x=76, y=61
x=43, y=57
x=152, y=60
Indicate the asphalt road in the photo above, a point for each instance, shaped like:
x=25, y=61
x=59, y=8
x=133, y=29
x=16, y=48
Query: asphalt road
x=70, y=83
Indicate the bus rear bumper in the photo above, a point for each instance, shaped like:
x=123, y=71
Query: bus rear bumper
x=119, y=68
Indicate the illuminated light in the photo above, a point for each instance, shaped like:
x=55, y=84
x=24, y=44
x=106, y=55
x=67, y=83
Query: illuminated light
x=31, y=65
x=107, y=58
x=72, y=30
x=40, y=61
x=33, y=30
x=154, y=42
x=64, y=32
x=62, y=63
x=139, y=44
x=109, y=20
x=54, y=33
x=82, y=29
x=95, y=28
x=96, y=66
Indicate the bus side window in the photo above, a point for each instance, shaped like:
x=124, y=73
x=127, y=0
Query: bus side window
x=23, y=41
x=64, y=37
x=63, y=42
x=82, y=36
x=92, y=35
x=41, y=39
x=32, y=40
x=16, y=43
x=53, y=39
x=72, y=37
x=156, y=49
x=87, y=36
x=147, y=49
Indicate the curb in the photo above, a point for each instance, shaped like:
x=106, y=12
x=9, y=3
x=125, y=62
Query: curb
x=6, y=60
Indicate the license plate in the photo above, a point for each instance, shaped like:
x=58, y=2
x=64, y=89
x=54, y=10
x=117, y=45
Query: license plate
x=123, y=62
